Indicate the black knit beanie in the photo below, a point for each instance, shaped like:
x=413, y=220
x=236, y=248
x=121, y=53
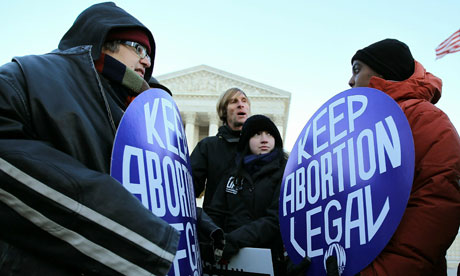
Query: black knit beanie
x=255, y=124
x=390, y=58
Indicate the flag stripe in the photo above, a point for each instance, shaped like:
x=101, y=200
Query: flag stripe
x=454, y=49
x=450, y=45
x=451, y=50
x=451, y=41
x=450, y=38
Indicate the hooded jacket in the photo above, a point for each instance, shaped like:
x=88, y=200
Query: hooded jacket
x=61, y=212
x=93, y=24
x=432, y=217
x=248, y=212
x=210, y=159
x=244, y=213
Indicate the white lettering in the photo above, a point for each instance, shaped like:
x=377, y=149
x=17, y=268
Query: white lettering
x=317, y=131
x=180, y=254
x=326, y=175
x=169, y=126
x=173, y=208
x=353, y=115
x=294, y=243
x=301, y=153
x=181, y=139
x=300, y=189
x=312, y=232
x=312, y=199
x=363, y=174
x=372, y=227
x=134, y=188
x=338, y=151
x=180, y=183
x=157, y=197
x=384, y=144
x=336, y=222
x=288, y=198
x=334, y=120
x=357, y=223
x=150, y=119
x=351, y=162
x=191, y=246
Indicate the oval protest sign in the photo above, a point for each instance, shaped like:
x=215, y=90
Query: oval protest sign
x=150, y=158
x=347, y=181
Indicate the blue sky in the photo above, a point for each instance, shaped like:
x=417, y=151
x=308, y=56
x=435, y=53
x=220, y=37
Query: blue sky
x=303, y=47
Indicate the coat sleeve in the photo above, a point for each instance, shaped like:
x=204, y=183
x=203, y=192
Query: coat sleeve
x=432, y=218
x=218, y=208
x=54, y=207
x=210, y=236
x=262, y=231
x=199, y=164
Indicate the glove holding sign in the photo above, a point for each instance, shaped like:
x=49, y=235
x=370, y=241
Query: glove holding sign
x=347, y=181
x=211, y=238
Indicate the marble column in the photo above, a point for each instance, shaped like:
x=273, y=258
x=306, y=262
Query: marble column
x=190, y=119
x=213, y=124
x=278, y=120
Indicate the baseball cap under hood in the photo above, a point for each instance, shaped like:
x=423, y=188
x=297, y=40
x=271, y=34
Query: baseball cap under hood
x=93, y=24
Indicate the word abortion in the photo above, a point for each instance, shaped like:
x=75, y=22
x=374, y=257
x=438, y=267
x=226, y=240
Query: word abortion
x=157, y=172
x=329, y=167
x=168, y=181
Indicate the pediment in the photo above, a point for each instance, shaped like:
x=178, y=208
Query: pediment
x=206, y=80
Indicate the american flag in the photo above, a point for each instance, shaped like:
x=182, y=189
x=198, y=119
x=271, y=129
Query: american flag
x=450, y=45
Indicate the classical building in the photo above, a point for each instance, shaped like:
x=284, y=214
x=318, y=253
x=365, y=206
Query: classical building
x=196, y=91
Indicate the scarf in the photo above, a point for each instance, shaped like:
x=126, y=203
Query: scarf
x=117, y=72
x=253, y=163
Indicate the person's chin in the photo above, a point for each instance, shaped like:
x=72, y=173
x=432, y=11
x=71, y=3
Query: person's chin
x=242, y=120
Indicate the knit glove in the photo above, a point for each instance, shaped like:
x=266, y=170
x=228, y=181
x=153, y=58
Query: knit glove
x=230, y=249
x=297, y=269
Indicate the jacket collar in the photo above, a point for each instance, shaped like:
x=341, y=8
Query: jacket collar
x=231, y=136
x=421, y=85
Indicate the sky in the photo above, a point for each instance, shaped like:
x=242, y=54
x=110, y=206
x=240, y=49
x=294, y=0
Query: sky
x=303, y=47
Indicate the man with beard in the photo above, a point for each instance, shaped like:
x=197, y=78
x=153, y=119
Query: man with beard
x=213, y=155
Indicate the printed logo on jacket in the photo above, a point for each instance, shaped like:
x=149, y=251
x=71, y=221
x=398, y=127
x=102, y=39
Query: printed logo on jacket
x=150, y=158
x=347, y=181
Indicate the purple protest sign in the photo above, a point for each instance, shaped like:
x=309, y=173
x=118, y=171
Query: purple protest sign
x=150, y=158
x=347, y=181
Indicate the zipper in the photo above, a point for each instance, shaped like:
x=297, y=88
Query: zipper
x=102, y=92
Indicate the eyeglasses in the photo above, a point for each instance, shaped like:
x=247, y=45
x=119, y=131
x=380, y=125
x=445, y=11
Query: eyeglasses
x=141, y=51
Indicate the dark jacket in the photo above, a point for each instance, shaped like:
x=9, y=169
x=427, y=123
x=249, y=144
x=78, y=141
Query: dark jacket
x=432, y=218
x=249, y=214
x=61, y=212
x=210, y=159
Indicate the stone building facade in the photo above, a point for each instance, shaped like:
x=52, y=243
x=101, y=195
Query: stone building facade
x=196, y=91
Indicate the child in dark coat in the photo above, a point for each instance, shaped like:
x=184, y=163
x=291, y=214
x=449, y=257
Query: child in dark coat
x=246, y=205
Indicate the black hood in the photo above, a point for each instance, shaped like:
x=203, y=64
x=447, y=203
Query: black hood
x=93, y=24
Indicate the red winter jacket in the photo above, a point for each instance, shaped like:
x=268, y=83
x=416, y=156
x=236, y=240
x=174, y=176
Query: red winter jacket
x=432, y=218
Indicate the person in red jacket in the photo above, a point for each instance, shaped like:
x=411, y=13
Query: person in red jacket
x=432, y=217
